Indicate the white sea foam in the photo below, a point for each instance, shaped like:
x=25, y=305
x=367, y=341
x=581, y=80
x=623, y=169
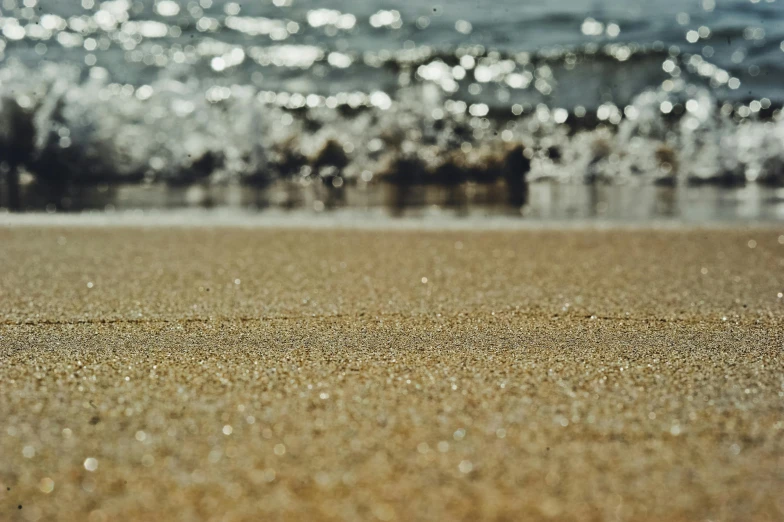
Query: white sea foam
x=94, y=130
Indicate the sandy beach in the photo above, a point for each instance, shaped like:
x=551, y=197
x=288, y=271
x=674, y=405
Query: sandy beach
x=242, y=374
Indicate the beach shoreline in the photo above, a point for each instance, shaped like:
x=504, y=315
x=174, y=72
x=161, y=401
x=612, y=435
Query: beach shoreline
x=432, y=220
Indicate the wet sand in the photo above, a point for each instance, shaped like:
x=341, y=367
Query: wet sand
x=259, y=374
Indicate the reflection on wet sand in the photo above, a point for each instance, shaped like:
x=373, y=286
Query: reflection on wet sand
x=538, y=200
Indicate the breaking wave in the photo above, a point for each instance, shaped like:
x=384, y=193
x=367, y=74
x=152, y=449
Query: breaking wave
x=60, y=125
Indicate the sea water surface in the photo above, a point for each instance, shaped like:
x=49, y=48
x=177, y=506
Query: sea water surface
x=473, y=94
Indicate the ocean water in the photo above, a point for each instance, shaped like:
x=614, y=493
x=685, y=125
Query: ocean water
x=352, y=94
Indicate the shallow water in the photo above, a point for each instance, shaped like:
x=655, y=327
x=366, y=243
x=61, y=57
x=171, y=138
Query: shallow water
x=270, y=43
x=470, y=204
x=178, y=92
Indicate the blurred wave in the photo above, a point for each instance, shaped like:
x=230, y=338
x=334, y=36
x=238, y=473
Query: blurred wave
x=217, y=93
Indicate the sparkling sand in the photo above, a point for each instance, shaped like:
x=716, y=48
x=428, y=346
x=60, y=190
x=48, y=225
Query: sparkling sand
x=261, y=374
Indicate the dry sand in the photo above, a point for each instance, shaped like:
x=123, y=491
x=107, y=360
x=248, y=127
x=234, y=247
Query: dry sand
x=252, y=374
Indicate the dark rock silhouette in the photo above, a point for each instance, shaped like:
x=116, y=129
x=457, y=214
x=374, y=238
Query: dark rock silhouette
x=331, y=154
x=199, y=170
x=328, y=165
x=403, y=174
x=17, y=146
x=515, y=170
x=554, y=153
